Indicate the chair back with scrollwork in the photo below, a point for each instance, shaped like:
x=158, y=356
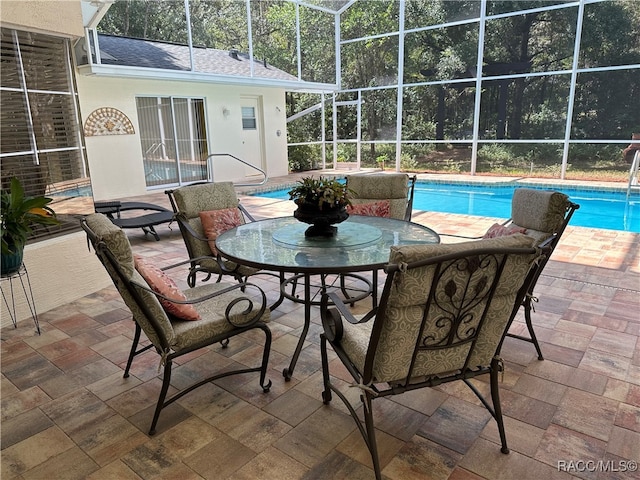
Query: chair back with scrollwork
x=446, y=308
x=442, y=317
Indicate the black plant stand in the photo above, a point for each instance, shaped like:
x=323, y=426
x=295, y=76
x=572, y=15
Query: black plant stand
x=23, y=276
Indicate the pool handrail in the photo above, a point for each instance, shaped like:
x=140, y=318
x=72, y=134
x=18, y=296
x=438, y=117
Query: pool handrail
x=633, y=173
x=212, y=157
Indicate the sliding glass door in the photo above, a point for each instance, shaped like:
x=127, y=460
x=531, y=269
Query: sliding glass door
x=174, y=140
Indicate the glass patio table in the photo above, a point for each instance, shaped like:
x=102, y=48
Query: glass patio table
x=279, y=244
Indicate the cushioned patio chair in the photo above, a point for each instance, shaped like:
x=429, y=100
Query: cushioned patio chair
x=442, y=317
x=203, y=211
x=215, y=198
x=382, y=194
x=177, y=323
x=543, y=215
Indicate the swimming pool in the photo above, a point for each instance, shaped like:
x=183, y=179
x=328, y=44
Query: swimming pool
x=609, y=209
x=74, y=191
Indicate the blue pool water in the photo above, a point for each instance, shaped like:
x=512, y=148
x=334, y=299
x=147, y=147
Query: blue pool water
x=598, y=209
x=77, y=191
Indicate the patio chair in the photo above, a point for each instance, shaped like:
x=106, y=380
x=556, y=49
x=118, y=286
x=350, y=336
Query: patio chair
x=383, y=195
x=372, y=192
x=442, y=317
x=177, y=323
x=218, y=205
x=543, y=215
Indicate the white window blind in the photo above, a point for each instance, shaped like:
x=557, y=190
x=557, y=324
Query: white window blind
x=174, y=140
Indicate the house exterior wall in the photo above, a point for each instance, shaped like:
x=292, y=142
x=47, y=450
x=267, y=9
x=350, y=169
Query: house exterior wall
x=116, y=161
x=62, y=17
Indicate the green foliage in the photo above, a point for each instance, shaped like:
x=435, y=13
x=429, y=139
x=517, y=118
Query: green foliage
x=19, y=213
x=408, y=163
x=596, y=154
x=495, y=153
x=163, y=21
x=346, y=152
x=303, y=157
x=416, y=149
x=323, y=192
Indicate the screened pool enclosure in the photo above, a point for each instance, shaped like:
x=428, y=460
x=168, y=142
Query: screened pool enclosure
x=537, y=88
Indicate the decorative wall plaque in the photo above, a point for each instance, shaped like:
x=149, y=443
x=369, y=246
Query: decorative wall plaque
x=108, y=121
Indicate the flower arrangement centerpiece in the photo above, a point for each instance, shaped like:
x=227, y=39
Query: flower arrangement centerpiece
x=322, y=202
x=19, y=213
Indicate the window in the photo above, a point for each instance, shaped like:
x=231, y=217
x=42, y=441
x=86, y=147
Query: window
x=40, y=139
x=249, y=118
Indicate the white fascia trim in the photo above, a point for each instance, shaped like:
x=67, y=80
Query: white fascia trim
x=189, y=76
x=93, y=11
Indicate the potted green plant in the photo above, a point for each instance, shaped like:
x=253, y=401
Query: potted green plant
x=321, y=193
x=322, y=202
x=19, y=213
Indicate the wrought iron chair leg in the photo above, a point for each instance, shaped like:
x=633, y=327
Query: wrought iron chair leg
x=163, y=394
x=191, y=279
x=532, y=334
x=132, y=353
x=495, y=398
x=326, y=394
x=371, y=434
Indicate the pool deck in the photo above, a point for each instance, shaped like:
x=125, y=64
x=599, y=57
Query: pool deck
x=66, y=407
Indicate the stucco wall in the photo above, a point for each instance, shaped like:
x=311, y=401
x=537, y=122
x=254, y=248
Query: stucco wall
x=60, y=17
x=115, y=161
x=61, y=270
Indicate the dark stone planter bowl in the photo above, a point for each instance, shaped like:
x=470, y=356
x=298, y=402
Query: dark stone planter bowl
x=321, y=221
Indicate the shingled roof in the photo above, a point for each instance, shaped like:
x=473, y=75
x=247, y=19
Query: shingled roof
x=136, y=52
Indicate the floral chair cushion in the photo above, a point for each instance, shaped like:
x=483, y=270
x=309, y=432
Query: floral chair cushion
x=193, y=199
x=164, y=285
x=216, y=222
x=371, y=209
x=498, y=230
x=117, y=243
x=115, y=239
